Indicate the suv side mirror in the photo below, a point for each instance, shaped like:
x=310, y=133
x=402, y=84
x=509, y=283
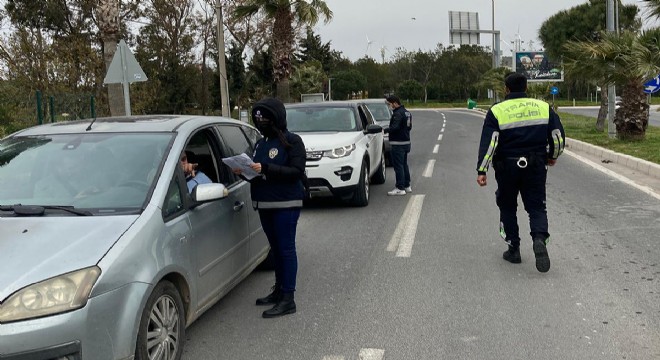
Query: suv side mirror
x=373, y=129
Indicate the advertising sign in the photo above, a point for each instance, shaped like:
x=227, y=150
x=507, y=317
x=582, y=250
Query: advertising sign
x=536, y=66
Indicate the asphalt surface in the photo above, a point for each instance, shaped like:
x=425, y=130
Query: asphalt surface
x=452, y=296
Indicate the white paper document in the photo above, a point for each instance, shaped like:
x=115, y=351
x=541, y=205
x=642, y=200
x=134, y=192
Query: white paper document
x=242, y=162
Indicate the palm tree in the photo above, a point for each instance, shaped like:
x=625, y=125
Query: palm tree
x=652, y=8
x=627, y=60
x=108, y=22
x=284, y=13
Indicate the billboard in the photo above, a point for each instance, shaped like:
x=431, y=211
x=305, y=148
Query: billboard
x=464, y=28
x=536, y=66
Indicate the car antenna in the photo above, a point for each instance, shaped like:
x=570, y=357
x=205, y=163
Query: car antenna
x=90, y=124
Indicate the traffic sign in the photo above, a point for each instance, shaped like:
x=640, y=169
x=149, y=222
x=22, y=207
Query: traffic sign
x=554, y=90
x=652, y=85
x=124, y=64
x=124, y=69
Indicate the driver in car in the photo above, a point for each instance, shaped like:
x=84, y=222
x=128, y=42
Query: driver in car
x=193, y=176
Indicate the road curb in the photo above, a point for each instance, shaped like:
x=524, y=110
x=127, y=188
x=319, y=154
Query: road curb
x=631, y=162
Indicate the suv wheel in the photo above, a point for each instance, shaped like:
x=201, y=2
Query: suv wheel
x=162, y=326
x=361, y=195
x=380, y=176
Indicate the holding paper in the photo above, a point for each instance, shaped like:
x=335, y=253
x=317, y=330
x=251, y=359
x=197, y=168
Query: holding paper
x=242, y=162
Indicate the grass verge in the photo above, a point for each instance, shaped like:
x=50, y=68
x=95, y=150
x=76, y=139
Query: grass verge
x=583, y=128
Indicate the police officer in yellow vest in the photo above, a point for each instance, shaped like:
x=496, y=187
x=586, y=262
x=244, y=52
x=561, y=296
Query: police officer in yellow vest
x=521, y=137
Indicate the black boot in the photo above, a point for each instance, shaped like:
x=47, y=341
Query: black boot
x=285, y=306
x=512, y=255
x=271, y=298
x=541, y=253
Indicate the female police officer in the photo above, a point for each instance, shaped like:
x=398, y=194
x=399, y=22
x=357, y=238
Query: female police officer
x=278, y=196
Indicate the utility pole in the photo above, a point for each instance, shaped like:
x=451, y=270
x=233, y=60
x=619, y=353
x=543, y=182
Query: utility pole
x=224, y=86
x=495, y=64
x=611, y=89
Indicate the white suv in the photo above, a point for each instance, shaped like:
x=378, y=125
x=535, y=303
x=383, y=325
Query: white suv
x=344, y=148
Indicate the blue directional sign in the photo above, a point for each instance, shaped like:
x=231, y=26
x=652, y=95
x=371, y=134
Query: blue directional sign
x=652, y=85
x=554, y=90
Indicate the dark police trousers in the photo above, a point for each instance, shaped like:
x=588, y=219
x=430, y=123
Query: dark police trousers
x=514, y=177
x=280, y=228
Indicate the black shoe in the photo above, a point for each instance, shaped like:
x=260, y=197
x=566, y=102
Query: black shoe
x=285, y=306
x=541, y=253
x=271, y=298
x=512, y=255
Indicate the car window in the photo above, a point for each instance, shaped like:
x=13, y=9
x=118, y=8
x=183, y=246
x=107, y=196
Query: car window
x=318, y=118
x=253, y=136
x=235, y=140
x=105, y=173
x=173, y=200
x=365, y=117
x=380, y=112
x=199, y=151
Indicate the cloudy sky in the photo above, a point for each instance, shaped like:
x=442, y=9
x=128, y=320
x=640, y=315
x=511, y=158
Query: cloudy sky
x=422, y=24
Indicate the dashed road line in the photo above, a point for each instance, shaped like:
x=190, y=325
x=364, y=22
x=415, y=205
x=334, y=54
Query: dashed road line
x=404, y=235
x=365, y=354
x=436, y=148
x=428, y=171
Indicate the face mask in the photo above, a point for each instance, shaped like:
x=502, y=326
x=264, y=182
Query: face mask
x=266, y=129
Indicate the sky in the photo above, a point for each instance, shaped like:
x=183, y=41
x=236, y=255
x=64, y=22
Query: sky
x=422, y=24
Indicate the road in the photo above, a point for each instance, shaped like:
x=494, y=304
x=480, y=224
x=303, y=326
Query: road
x=592, y=111
x=441, y=290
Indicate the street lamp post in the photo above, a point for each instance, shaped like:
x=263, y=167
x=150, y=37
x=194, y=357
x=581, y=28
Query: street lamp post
x=493, y=28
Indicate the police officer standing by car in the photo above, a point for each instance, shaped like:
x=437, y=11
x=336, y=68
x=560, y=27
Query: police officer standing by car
x=279, y=157
x=399, y=130
x=521, y=137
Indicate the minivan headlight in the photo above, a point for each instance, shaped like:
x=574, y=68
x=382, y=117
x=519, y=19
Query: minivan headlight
x=339, y=152
x=53, y=296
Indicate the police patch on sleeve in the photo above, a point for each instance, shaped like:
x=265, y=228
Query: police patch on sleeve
x=272, y=153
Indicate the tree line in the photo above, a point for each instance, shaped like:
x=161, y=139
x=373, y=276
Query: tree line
x=64, y=47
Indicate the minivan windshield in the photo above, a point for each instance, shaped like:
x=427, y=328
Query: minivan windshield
x=319, y=118
x=104, y=173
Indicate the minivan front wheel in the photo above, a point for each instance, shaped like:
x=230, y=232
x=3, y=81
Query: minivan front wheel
x=162, y=325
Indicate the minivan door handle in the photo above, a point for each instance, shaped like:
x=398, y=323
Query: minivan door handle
x=238, y=205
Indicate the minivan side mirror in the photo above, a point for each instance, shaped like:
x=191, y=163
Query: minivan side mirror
x=209, y=192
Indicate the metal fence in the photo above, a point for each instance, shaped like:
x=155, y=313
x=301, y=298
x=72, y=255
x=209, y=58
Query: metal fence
x=17, y=113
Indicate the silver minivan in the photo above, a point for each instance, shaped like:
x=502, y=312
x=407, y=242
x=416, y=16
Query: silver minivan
x=104, y=251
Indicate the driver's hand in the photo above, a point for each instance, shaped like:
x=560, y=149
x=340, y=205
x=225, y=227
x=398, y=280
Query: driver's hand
x=189, y=169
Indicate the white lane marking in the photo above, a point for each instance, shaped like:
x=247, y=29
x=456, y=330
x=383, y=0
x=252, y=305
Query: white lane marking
x=428, y=172
x=333, y=357
x=442, y=130
x=436, y=148
x=444, y=124
x=611, y=173
x=439, y=137
x=395, y=240
x=408, y=223
x=371, y=354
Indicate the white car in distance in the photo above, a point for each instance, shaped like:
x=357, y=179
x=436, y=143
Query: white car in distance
x=345, y=148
